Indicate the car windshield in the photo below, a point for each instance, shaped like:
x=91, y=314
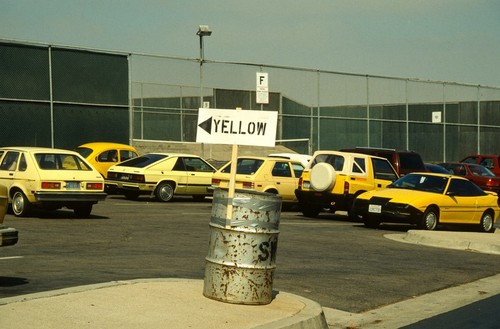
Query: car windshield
x=421, y=182
x=479, y=170
x=143, y=160
x=83, y=151
x=56, y=161
x=245, y=166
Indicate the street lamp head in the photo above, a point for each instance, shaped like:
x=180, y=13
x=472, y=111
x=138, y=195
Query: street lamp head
x=204, y=30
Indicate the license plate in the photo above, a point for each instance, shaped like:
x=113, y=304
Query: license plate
x=72, y=185
x=375, y=208
x=125, y=177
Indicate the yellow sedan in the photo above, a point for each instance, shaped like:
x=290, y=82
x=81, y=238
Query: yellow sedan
x=50, y=179
x=427, y=200
x=263, y=174
x=162, y=175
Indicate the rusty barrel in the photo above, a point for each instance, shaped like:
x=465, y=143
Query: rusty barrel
x=242, y=251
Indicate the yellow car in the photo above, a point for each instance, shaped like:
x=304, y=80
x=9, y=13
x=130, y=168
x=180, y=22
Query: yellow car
x=429, y=199
x=49, y=178
x=162, y=175
x=263, y=174
x=103, y=155
x=8, y=235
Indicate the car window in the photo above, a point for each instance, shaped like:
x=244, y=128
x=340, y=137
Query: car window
x=52, y=161
x=359, y=165
x=487, y=162
x=469, y=160
x=297, y=169
x=411, y=161
x=126, y=154
x=10, y=161
x=335, y=160
x=84, y=151
x=461, y=187
x=383, y=170
x=108, y=156
x=143, y=160
x=197, y=164
x=427, y=183
x=23, y=165
x=281, y=169
x=245, y=166
x=56, y=161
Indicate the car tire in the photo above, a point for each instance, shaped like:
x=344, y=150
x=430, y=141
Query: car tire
x=322, y=177
x=487, y=224
x=164, y=192
x=429, y=220
x=198, y=198
x=310, y=211
x=371, y=222
x=83, y=210
x=21, y=206
x=130, y=195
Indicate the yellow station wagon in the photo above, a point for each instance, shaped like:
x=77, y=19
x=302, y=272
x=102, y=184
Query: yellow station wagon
x=263, y=174
x=162, y=175
x=49, y=178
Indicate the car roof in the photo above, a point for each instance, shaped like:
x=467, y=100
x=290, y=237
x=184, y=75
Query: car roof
x=106, y=145
x=343, y=153
x=35, y=149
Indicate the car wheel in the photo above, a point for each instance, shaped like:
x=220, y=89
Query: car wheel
x=198, y=198
x=310, y=211
x=429, y=220
x=487, y=224
x=164, y=192
x=83, y=210
x=129, y=195
x=371, y=222
x=322, y=177
x=20, y=204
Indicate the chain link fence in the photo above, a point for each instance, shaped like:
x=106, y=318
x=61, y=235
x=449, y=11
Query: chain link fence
x=63, y=97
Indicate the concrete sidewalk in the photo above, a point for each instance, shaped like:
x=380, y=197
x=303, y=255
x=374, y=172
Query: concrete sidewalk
x=179, y=303
x=156, y=303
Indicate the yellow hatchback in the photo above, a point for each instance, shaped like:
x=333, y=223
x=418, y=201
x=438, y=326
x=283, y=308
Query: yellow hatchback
x=162, y=176
x=263, y=174
x=50, y=179
x=103, y=155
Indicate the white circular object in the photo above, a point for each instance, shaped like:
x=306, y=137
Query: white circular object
x=323, y=176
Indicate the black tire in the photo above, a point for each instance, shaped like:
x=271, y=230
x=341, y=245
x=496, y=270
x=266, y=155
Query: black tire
x=487, y=223
x=83, y=210
x=429, y=220
x=164, y=192
x=198, y=198
x=371, y=222
x=21, y=207
x=131, y=195
x=310, y=211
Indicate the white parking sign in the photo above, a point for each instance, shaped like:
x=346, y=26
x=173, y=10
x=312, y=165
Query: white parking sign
x=241, y=127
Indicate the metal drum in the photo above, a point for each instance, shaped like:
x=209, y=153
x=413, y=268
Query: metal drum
x=242, y=250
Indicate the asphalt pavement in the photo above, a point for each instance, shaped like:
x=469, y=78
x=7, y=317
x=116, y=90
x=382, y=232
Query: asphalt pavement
x=180, y=303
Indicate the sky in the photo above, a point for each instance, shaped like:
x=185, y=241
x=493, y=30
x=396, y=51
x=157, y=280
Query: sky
x=438, y=40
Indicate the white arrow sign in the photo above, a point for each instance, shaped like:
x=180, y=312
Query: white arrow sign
x=242, y=127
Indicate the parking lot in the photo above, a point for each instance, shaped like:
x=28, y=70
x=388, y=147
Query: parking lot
x=334, y=261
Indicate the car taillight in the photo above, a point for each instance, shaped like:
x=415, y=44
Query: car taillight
x=94, y=186
x=137, y=178
x=346, y=187
x=300, y=182
x=215, y=182
x=492, y=182
x=248, y=185
x=51, y=185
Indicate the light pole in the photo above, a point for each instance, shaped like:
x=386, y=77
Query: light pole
x=203, y=30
